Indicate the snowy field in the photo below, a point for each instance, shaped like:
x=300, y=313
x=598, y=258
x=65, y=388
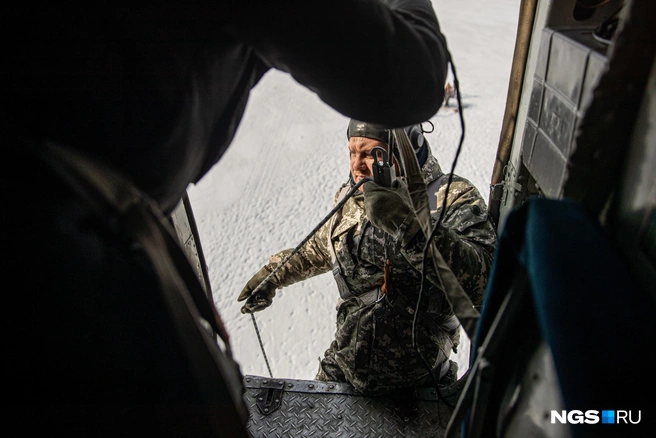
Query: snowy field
x=278, y=178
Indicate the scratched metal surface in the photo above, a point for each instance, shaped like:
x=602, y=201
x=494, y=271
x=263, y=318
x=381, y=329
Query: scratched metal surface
x=308, y=408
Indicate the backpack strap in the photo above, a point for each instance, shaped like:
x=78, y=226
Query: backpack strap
x=342, y=286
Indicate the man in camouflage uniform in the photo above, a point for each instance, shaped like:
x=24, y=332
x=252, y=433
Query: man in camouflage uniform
x=373, y=347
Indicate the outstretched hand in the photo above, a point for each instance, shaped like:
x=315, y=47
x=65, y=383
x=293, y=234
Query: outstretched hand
x=261, y=299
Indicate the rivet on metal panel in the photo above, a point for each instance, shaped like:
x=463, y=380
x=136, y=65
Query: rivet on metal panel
x=311, y=386
x=331, y=386
x=265, y=382
x=290, y=385
x=248, y=380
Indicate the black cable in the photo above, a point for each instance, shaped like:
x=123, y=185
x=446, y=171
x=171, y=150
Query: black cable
x=432, y=235
x=294, y=251
x=316, y=228
x=605, y=31
x=259, y=338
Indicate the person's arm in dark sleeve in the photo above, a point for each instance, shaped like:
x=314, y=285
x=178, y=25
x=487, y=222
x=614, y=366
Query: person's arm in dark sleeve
x=383, y=61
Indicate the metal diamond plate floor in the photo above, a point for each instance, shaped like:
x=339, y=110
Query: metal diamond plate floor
x=308, y=408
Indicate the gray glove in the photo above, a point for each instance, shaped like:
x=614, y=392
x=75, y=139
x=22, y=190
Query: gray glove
x=263, y=297
x=391, y=210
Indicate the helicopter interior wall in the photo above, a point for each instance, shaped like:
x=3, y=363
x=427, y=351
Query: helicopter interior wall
x=598, y=314
x=185, y=227
x=594, y=319
x=632, y=218
x=567, y=58
x=559, y=16
x=577, y=13
x=568, y=67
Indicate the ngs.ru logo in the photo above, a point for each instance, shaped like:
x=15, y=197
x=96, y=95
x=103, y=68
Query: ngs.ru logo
x=592, y=417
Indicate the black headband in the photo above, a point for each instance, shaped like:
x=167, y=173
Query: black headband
x=357, y=128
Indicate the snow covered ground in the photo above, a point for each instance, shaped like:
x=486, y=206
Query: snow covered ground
x=278, y=178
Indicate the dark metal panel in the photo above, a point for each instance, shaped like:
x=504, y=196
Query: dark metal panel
x=596, y=65
x=557, y=120
x=544, y=51
x=547, y=166
x=535, y=104
x=331, y=409
x=186, y=230
x=567, y=61
x=605, y=130
x=528, y=142
x=569, y=65
x=633, y=216
x=184, y=223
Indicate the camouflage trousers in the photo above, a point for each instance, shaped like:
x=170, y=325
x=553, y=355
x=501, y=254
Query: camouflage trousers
x=373, y=350
x=329, y=371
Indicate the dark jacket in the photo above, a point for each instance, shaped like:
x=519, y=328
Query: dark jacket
x=158, y=92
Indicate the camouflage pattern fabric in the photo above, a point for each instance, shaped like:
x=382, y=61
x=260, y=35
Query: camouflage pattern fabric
x=466, y=238
x=372, y=348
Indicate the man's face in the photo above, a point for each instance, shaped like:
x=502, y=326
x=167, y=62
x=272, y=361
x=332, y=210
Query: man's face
x=361, y=158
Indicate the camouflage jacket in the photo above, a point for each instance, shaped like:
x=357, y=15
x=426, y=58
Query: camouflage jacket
x=373, y=349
